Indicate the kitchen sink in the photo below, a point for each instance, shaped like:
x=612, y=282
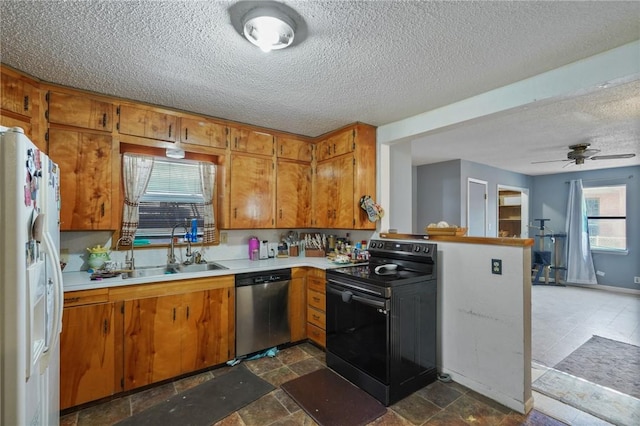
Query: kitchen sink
x=150, y=271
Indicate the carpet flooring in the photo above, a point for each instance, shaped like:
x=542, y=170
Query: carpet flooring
x=607, y=362
x=207, y=403
x=333, y=401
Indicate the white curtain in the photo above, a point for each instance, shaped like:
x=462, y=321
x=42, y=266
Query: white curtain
x=580, y=268
x=208, y=178
x=136, y=171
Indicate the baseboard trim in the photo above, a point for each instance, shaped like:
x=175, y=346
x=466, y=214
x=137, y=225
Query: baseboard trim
x=609, y=288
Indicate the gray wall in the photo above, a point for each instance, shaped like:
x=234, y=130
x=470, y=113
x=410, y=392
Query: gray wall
x=437, y=194
x=441, y=191
x=493, y=177
x=440, y=194
x=549, y=201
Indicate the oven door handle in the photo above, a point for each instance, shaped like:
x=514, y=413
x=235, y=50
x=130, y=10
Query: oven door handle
x=348, y=296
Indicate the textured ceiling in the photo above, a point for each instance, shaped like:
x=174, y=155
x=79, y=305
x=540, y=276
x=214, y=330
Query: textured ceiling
x=371, y=61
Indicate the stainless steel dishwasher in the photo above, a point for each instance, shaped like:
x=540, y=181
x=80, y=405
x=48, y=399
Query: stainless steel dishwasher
x=262, y=310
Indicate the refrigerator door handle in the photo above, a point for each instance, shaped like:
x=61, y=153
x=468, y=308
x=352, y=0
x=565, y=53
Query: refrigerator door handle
x=58, y=300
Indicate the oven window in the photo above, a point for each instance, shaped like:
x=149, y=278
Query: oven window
x=358, y=333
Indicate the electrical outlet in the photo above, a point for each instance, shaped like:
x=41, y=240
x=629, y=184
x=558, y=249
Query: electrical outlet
x=636, y=280
x=496, y=266
x=224, y=237
x=600, y=273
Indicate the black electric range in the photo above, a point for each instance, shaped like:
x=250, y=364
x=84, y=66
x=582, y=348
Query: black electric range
x=381, y=319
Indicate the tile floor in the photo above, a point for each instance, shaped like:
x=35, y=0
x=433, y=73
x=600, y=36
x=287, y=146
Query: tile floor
x=563, y=319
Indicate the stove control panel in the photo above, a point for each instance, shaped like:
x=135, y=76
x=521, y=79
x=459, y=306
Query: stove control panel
x=382, y=248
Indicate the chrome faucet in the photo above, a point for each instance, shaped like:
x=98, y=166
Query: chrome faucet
x=172, y=261
x=128, y=261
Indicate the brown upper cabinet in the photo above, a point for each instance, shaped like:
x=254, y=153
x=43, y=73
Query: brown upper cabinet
x=339, y=144
x=293, y=194
x=85, y=160
x=79, y=111
x=199, y=131
x=252, y=193
x=344, y=173
x=294, y=149
x=147, y=123
x=251, y=141
x=17, y=94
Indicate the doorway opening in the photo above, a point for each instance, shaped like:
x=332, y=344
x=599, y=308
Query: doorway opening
x=513, y=212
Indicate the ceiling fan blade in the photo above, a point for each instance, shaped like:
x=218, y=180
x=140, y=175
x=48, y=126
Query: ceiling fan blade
x=612, y=156
x=548, y=161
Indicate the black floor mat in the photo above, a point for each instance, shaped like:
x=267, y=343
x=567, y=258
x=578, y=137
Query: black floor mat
x=333, y=401
x=207, y=403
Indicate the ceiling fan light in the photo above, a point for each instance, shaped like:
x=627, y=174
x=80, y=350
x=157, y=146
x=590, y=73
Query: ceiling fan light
x=268, y=28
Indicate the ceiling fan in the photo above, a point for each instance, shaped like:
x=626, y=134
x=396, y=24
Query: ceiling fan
x=580, y=152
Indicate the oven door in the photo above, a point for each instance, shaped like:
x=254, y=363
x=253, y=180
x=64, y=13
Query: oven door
x=358, y=328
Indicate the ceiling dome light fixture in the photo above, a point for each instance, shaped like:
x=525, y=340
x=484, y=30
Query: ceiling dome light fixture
x=268, y=28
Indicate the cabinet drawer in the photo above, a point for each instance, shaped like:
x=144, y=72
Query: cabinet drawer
x=316, y=299
x=86, y=297
x=316, y=318
x=316, y=284
x=317, y=334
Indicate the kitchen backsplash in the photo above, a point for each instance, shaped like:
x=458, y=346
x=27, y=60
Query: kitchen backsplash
x=74, y=245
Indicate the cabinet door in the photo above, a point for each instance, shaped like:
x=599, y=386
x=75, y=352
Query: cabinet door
x=324, y=195
x=252, y=192
x=334, y=193
x=79, y=111
x=343, y=210
x=294, y=149
x=339, y=144
x=85, y=178
x=87, y=354
x=147, y=123
x=293, y=195
x=202, y=132
x=17, y=95
x=24, y=124
x=207, y=330
x=297, y=305
x=152, y=340
x=251, y=141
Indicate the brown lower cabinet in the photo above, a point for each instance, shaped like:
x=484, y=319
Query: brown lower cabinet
x=87, y=353
x=166, y=336
x=316, y=307
x=121, y=338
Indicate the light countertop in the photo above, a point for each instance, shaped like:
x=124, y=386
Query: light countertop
x=74, y=281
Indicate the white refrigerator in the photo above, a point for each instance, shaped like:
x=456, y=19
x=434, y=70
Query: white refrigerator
x=31, y=292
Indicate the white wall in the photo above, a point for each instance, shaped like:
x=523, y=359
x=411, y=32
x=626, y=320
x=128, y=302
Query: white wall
x=484, y=325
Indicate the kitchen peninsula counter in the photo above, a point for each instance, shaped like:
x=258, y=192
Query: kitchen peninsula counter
x=497, y=241
x=74, y=281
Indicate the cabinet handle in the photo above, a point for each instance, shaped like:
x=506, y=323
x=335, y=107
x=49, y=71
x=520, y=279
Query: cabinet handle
x=334, y=148
x=174, y=314
x=102, y=209
x=334, y=213
x=317, y=299
x=235, y=212
x=104, y=120
x=105, y=327
x=169, y=130
x=187, y=312
x=71, y=300
x=186, y=134
x=280, y=213
x=26, y=103
x=281, y=150
x=316, y=317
